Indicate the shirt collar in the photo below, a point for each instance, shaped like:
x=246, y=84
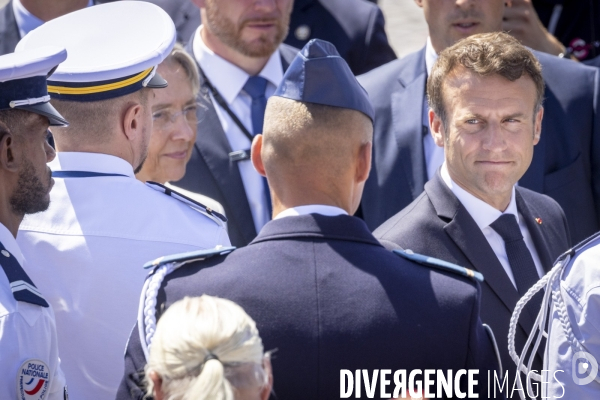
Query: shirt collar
x=483, y=213
x=329, y=211
x=430, y=56
x=91, y=162
x=10, y=244
x=228, y=78
x=26, y=21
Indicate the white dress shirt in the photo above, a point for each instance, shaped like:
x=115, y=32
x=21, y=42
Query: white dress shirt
x=484, y=214
x=86, y=254
x=27, y=331
x=329, y=211
x=229, y=80
x=26, y=21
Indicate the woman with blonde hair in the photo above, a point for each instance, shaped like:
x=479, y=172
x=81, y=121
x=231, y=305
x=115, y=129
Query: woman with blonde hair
x=207, y=348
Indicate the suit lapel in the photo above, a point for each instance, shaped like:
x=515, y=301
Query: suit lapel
x=407, y=110
x=467, y=236
x=538, y=235
x=214, y=148
x=9, y=31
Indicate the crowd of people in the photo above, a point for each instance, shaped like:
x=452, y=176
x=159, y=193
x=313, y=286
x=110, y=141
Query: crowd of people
x=277, y=199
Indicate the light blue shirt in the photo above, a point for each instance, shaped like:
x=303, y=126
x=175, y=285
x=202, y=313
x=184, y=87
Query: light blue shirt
x=26, y=21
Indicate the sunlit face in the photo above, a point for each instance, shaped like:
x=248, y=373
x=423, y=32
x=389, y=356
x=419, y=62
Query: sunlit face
x=251, y=27
x=174, y=126
x=452, y=20
x=491, y=129
x=32, y=194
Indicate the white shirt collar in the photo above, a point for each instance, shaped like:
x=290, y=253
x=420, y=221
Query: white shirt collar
x=228, y=78
x=10, y=244
x=430, y=56
x=483, y=213
x=26, y=21
x=329, y=211
x=91, y=162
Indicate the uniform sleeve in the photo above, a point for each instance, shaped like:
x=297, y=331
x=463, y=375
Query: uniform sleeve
x=132, y=386
x=23, y=339
x=482, y=355
x=378, y=50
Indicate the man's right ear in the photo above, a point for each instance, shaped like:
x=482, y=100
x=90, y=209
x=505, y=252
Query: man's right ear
x=437, y=128
x=8, y=152
x=255, y=155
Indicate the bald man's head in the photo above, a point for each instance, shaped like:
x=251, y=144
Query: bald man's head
x=306, y=144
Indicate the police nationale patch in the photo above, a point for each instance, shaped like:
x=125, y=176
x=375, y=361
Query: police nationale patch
x=33, y=380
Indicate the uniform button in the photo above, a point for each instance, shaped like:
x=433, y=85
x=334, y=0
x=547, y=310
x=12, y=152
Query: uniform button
x=302, y=32
x=5, y=253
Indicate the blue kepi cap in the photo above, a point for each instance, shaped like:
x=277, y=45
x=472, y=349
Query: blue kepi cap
x=23, y=81
x=320, y=75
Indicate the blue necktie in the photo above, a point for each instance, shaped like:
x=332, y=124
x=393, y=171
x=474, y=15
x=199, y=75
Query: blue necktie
x=256, y=86
x=520, y=259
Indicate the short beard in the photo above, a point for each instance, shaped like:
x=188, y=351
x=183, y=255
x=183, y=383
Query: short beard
x=230, y=34
x=31, y=195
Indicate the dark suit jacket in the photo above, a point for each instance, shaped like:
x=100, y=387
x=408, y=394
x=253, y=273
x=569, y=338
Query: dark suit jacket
x=437, y=224
x=212, y=173
x=9, y=31
x=355, y=27
x=566, y=161
x=328, y=296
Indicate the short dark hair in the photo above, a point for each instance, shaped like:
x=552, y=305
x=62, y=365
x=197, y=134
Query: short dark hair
x=485, y=54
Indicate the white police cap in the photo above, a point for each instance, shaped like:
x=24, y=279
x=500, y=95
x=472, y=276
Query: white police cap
x=23, y=81
x=114, y=49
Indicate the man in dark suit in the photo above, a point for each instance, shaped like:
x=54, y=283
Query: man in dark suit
x=355, y=27
x=565, y=163
x=18, y=17
x=322, y=290
x=486, y=113
x=241, y=62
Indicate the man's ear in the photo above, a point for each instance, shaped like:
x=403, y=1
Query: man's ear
x=255, y=155
x=437, y=128
x=132, y=125
x=9, y=154
x=266, y=390
x=538, y=126
x=363, y=166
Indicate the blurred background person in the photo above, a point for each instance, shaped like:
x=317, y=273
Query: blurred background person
x=19, y=17
x=207, y=348
x=355, y=27
x=174, y=125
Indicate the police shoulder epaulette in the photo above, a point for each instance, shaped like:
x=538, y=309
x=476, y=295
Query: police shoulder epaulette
x=162, y=267
x=440, y=264
x=219, y=218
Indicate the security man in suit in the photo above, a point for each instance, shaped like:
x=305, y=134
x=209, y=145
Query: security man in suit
x=486, y=113
x=242, y=61
x=321, y=289
x=565, y=165
x=30, y=365
x=88, y=248
x=19, y=17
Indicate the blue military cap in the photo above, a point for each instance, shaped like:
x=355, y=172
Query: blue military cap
x=114, y=49
x=23, y=81
x=320, y=75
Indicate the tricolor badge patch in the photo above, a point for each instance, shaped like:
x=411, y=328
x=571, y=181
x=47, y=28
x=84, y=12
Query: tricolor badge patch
x=33, y=380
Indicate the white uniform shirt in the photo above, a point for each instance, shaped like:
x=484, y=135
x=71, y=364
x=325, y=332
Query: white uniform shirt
x=484, y=215
x=27, y=331
x=87, y=252
x=229, y=80
x=330, y=211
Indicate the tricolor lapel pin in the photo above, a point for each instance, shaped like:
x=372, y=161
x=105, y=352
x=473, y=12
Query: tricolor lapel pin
x=538, y=220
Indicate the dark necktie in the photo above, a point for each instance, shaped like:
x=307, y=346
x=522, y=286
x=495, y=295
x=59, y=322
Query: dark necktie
x=519, y=258
x=255, y=87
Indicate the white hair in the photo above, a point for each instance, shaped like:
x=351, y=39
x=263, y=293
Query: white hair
x=205, y=347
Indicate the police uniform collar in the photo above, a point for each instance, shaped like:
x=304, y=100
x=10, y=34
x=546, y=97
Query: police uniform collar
x=330, y=211
x=91, y=162
x=10, y=244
